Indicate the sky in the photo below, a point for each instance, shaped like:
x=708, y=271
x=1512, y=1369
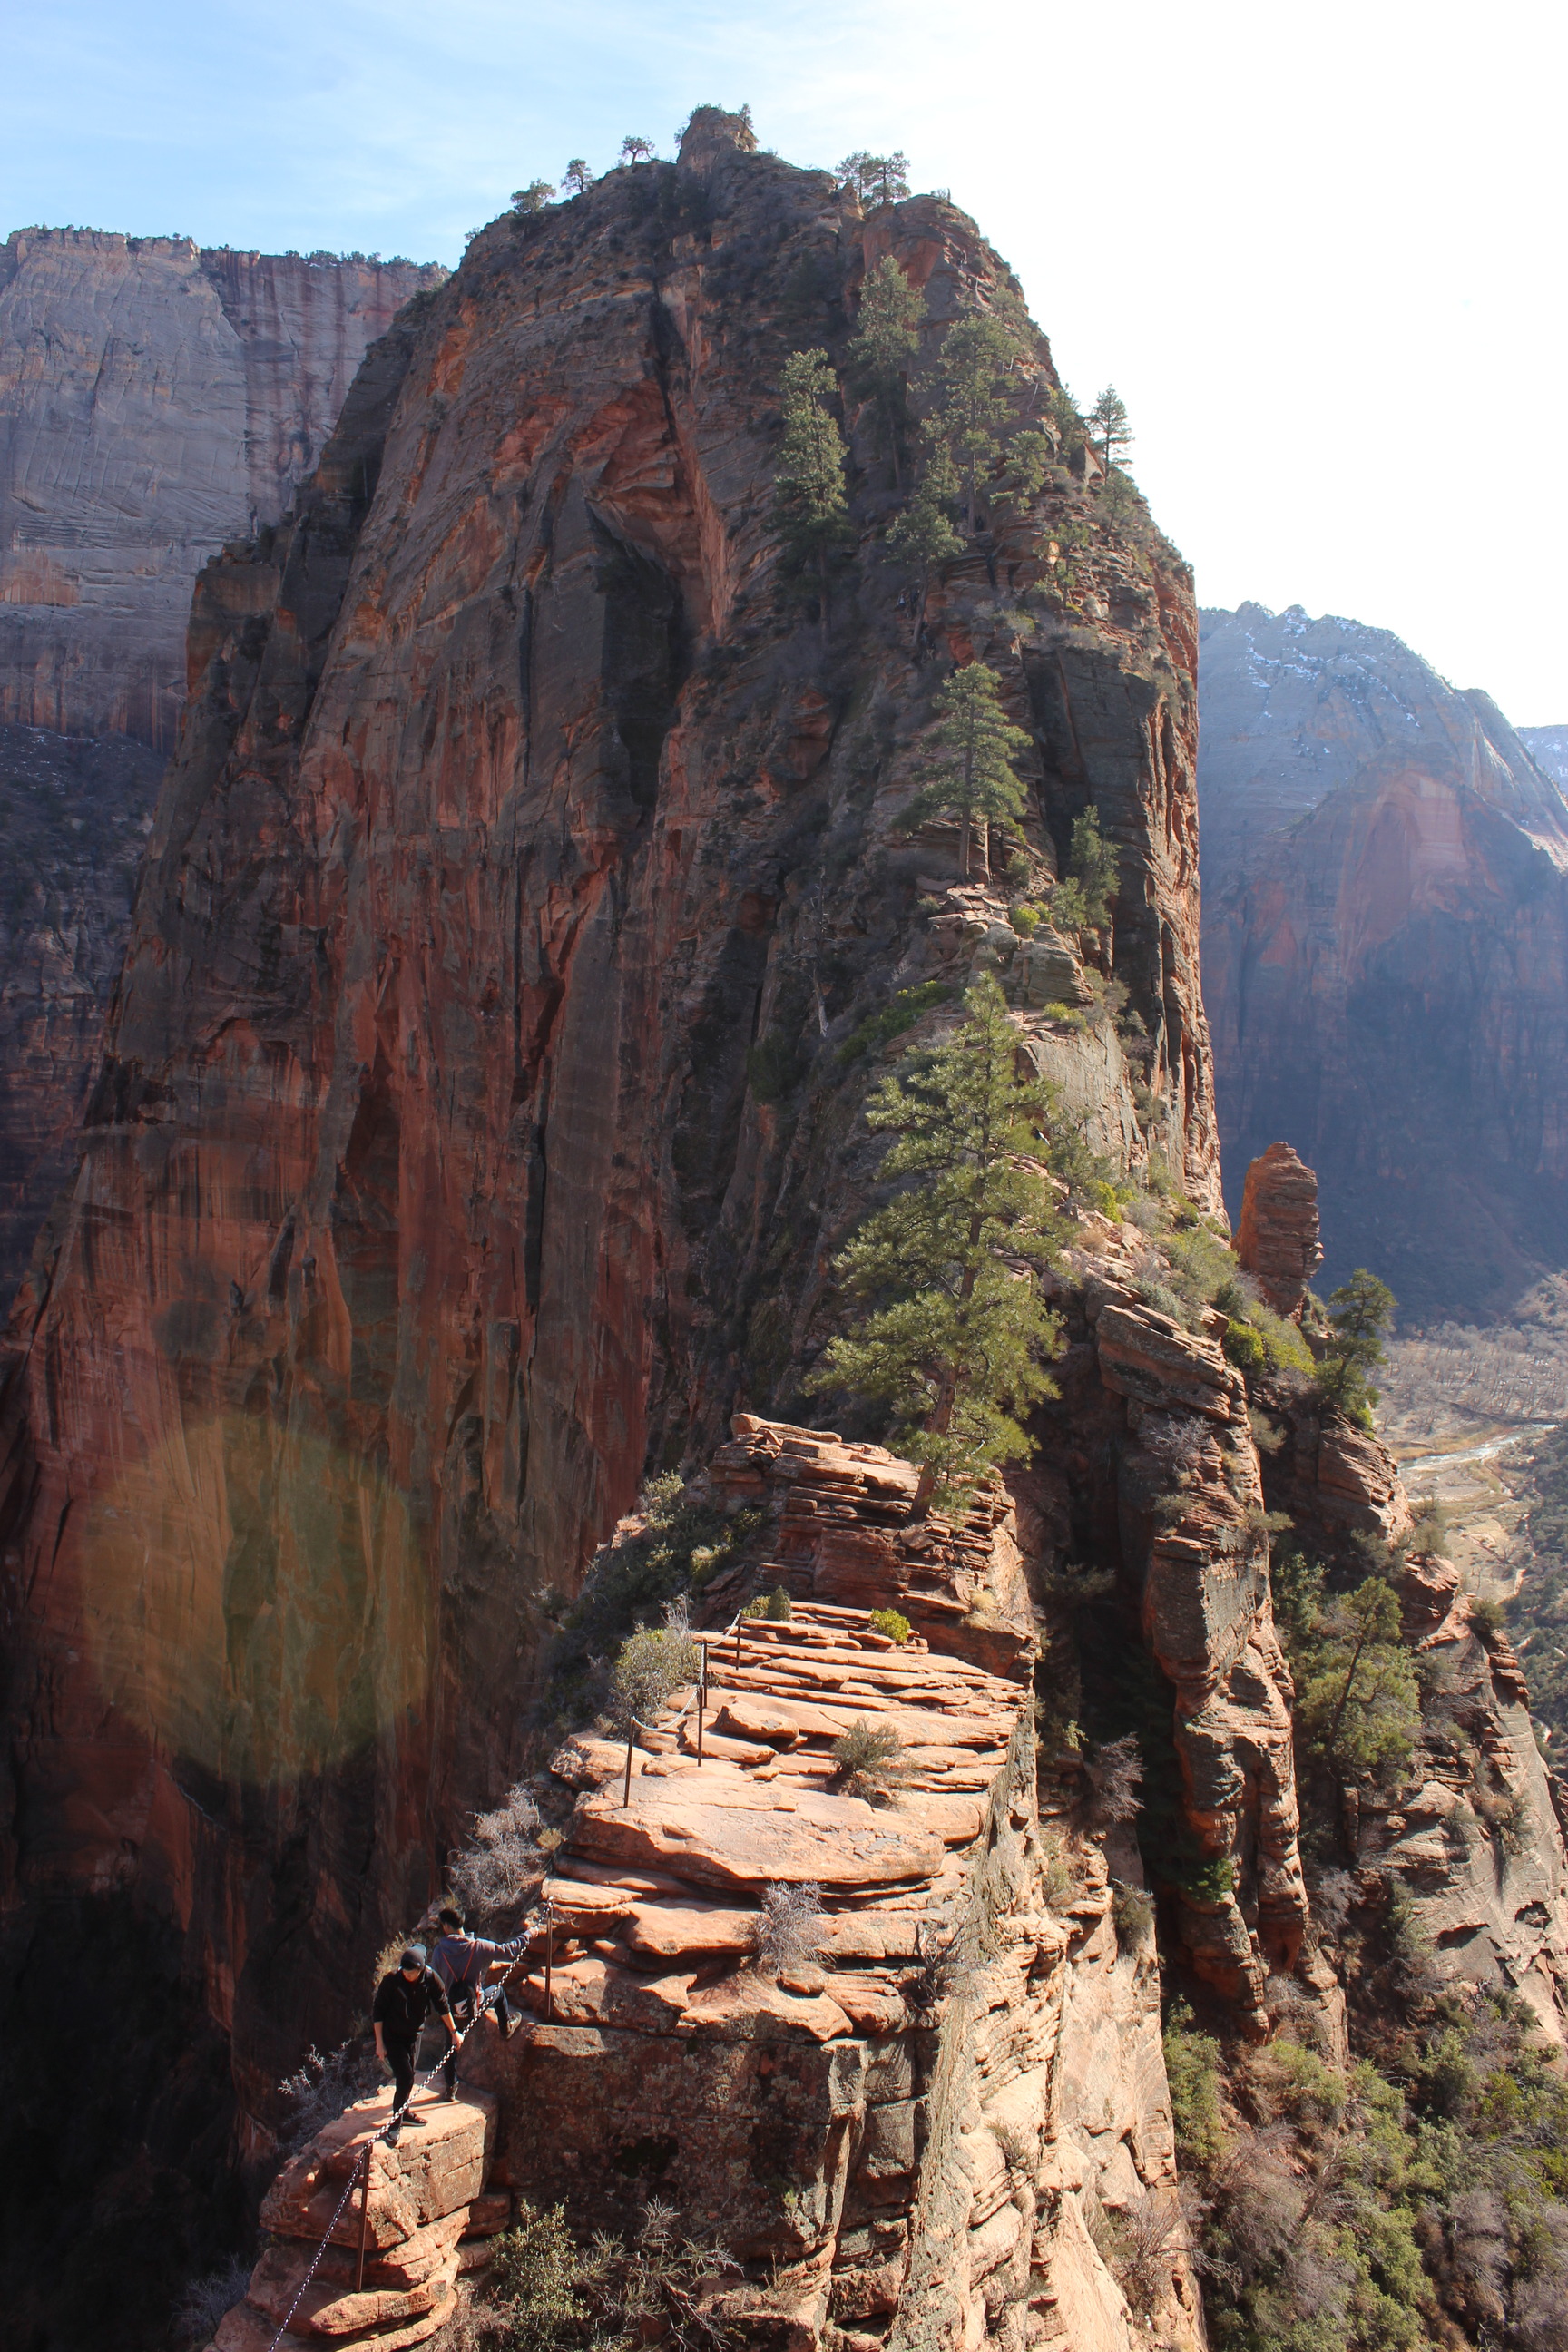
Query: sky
x=1318, y=249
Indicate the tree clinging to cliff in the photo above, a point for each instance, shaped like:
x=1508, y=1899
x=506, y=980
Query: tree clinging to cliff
x=952, y=1333
x=974, y=372
x=969, y=767
x=534, y=199
x=577, y=176
x=1360, y=1313
x=636, y=151
x=1108, y=422
x=810, y=509
x=876, y=179
x=887, y=336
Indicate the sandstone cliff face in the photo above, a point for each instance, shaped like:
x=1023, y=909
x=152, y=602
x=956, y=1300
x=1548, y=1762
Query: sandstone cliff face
x=915, y=2133
x=1386, y=951
x=470, y=1138
x=155, y=400
x=74, y=818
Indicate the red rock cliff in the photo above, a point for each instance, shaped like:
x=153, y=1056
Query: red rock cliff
x=434, y=1189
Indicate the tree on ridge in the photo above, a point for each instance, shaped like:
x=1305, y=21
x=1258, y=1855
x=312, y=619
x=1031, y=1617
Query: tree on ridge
x=952, y=1332
x=969, y=773
x=811, y=513
x=886, y=338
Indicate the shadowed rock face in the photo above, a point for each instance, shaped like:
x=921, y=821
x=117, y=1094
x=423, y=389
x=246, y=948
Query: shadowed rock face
x=75, y=814
x=155, y=400
x=1385, y=955
x=468, y=1141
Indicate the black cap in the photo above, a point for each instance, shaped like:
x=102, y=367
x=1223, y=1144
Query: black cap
x=413, y=1958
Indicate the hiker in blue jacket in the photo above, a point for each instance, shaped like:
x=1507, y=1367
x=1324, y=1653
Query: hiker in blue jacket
x=460, y=1960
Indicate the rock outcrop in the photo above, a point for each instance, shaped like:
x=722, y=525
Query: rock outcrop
x=1385, y=955
x=1277, y=1238
x=155, y=401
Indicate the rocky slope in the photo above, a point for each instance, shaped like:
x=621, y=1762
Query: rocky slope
x=1385, y=950
x=155, y=400
x=480, y=1109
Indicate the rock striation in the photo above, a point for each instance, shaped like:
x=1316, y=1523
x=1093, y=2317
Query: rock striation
x=1386, y=951
x=156, y=399
x=74, y=819
x=1276, y=1239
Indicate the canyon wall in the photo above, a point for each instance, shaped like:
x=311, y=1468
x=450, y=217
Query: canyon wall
x=479, y=1111
x=1385, y=955
x=155, y=400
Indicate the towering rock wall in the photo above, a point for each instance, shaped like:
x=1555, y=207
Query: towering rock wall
x=155, y=400
x=480, y=1110
x=1384, y=956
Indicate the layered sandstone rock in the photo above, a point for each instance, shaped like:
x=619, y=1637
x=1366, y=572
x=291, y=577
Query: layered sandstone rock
x=432, y=1187
x=903, y=2136
x=155, y=400
x=1385, y=955
x=419, y=2207
x=1277, y=1238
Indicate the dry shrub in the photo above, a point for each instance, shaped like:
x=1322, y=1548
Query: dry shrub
x=868, y=1759
x=789, y=1929
x=1115, y=1775
x=207, y=2300
x=322, y=2086
x=1139, y=2243
x=499, y=1866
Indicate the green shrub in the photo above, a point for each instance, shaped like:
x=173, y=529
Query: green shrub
x=891, y=1622
x=1025, y=920
x=545, y=2293
x=910, y=1006
x=1191, y=2070
x=1244, y=1348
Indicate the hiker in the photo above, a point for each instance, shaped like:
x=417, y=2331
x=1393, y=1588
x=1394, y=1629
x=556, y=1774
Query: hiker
x=404, y=2000
x=460, y=1960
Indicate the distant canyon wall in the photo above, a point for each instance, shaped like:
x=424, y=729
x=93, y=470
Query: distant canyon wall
x=155, y=400
x=1386, y=954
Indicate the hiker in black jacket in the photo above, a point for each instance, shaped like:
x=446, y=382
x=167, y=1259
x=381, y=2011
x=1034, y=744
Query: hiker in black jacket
x=404, y=2000
x=460, y=1961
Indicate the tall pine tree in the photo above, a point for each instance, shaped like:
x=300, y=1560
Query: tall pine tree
x=810, y=510
x=924, y=535
x=975, y=377
x=952, y=1333
x=969, y=767
x=1108, y=422
x=887, y=336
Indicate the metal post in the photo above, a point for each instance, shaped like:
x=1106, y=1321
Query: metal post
x=549, y=1956
x=701, y=1697
x=364, y=2218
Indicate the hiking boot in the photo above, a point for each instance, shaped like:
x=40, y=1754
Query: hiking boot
x=394, y=2136
x=508, y=2027
x=412, y=2118
x=451, y=2090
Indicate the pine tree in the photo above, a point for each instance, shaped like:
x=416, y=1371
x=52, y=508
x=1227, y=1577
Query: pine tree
x=924, y=536
x=636, y=151
x=887, y=335
x=535, y=198
x=810, y=510
x=952, y=1331
x=1108, y=422
x=577, y=176
x=1094, y=866
x=1360, y=1313
x=876, y=179
x=969, y=773
x=974, y=372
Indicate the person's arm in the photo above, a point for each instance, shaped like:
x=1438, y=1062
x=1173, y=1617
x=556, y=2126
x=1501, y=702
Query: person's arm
x=376, y=2015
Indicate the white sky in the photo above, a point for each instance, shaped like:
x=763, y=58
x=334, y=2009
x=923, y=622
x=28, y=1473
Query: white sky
x=1318, y=248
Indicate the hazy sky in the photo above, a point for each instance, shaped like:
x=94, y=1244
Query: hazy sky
x=1318, y=248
